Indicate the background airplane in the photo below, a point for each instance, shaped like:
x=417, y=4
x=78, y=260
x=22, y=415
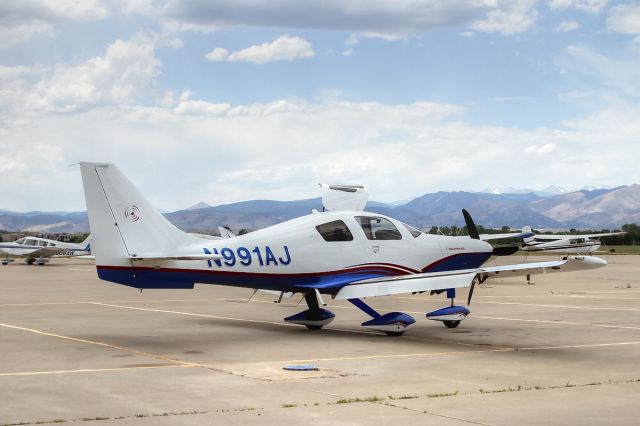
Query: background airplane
x=343, y=254
x=571, y=244
x=39, y=250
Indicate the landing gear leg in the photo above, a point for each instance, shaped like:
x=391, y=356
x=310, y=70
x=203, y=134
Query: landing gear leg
x=529, y=282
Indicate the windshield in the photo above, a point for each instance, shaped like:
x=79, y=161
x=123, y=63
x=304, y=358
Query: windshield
x=378, y=228
x=414, y=231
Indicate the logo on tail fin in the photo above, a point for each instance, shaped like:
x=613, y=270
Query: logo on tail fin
x=132, y=213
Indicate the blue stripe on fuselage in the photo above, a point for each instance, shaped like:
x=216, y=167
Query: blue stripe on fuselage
x=185, y=279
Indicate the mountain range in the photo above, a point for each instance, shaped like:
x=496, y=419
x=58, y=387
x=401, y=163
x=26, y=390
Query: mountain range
x=593, y=209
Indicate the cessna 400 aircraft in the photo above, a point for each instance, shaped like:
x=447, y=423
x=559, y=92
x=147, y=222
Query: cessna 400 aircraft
x=342, y=254
x=39, y=250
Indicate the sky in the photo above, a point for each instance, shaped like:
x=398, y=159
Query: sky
x=230, y=100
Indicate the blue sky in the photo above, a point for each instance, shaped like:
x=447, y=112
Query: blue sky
x=226, y=100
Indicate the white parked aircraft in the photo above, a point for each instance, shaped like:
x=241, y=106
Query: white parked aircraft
x=572, y=244
x=39, y=250
x=342, y=254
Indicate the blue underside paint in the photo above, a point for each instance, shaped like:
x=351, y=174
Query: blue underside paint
x=459, y=261
x=148, y=278
x=449, y=310
x=185, y=279
x=389, y=319
x=309, y=315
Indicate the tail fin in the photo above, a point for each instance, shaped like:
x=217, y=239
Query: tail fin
x=123, y=223
x=527, y=235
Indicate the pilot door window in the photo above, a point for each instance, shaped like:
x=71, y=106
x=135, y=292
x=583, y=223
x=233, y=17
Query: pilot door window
x=378, y=228
x=335, y=231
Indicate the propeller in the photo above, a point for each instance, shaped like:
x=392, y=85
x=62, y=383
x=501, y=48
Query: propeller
x=473, y=233
x=471, y=227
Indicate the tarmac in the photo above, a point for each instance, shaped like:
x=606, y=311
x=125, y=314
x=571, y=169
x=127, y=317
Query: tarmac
x=77, y=349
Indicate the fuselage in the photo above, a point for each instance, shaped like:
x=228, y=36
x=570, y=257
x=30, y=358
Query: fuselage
x=569, y=245
x=324, y=250
x=27, y=246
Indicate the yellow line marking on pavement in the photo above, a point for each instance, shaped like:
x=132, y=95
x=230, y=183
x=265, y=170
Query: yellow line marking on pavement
x=192, y=314
x=106, y=345
x=559, y=322
x=516, y=349
x=81, y=270
x=589, y=345
x=593, y=308
x=409, y=355
x=92, y=370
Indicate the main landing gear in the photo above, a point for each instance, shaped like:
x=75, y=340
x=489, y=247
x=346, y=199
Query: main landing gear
x=392, y=323
x=451, y=316
x=313, y=318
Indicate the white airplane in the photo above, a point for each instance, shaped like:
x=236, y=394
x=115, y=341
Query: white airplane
x=39, y=250
x=342, y=254
x=572, y=244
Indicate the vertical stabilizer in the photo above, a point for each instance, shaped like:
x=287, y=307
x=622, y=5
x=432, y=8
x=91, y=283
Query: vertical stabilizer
x=123, y=223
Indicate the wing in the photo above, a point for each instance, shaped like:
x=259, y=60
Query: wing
x=570, y=263
x=46, y=252
x=407, y=284
x=605, y=234
x=486, y=237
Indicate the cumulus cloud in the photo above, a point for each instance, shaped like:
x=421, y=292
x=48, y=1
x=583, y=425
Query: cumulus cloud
x=226, y=153
x=120, y=76
x=21, y=19
x=509, y=17
x=624, y=19
x=566, y=26
x=217, y=54
x=284, y=48
x=592, y=6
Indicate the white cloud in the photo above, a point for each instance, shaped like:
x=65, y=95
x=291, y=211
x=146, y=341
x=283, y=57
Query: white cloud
x=21, y=19
x=624, y=19
x=224, y=153
x=540, y=149
x=201, y=108
x=217, y=54
x=125, y=72
x=347, y=52
x=509, y=17
x=284, y=48
x=566, y=26
x=591, y=6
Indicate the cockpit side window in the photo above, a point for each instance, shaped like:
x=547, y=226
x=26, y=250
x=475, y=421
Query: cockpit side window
x=414, y=232
x=378, y=228
x=335, y=231
x=31, y=242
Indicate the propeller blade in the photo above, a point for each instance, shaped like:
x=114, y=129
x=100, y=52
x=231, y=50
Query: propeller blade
x=505, y=250
x=471, y=227
x=473, y=285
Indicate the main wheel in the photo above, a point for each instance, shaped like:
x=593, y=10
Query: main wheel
x=394, y=333
x=451, y=324
x=30, y=261
x=313, y=327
